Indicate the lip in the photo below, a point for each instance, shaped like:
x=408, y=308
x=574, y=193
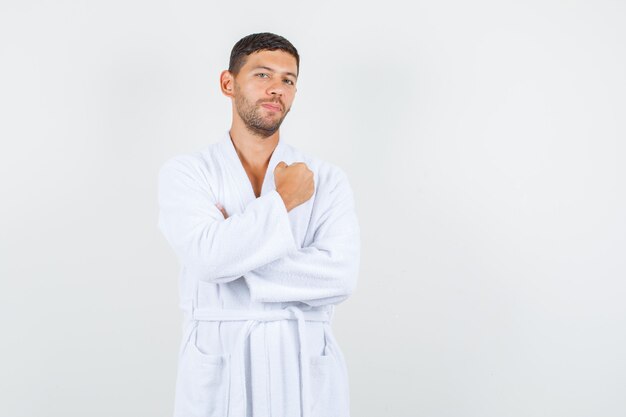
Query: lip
x=271, y=106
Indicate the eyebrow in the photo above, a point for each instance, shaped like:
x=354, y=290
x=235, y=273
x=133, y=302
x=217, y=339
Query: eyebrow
x=270, y=69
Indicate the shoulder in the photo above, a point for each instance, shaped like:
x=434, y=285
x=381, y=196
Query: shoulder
x=330, y=178
x=325, y=171
x=197, y=164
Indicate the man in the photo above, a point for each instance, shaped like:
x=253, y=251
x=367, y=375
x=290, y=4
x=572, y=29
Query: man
x=269, y=243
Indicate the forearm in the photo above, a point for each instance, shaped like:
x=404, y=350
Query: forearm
x=310, y=275
x=216, y=249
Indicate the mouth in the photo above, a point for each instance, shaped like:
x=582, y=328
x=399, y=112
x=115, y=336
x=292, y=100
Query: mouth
x=273, y=107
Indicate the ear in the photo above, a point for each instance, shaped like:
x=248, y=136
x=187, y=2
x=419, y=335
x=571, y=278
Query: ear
x=227, y=83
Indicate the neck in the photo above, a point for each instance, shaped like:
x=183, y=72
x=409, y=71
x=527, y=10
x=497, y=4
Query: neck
x=253, y=150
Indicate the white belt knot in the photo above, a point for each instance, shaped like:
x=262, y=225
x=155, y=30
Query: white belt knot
x=253, y=318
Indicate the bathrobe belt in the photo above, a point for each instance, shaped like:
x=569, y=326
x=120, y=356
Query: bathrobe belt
x=253, y=318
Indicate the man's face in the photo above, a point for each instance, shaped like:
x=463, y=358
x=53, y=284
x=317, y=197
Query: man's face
x=264, y=90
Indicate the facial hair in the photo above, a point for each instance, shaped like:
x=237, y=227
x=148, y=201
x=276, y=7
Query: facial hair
x=255, y=122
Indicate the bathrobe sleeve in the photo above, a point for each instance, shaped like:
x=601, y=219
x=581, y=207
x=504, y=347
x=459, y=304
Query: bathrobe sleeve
x=215, y=249
x=324, y=272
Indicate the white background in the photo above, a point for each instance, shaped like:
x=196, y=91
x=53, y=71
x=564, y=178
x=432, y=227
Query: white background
x=485, y=145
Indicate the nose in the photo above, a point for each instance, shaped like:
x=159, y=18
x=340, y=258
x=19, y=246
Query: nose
x=276, y=88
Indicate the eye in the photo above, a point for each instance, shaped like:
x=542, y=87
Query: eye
x=261, y=73
x=289, y=82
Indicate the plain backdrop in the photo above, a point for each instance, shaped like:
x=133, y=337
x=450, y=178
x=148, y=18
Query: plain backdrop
x=485, y=144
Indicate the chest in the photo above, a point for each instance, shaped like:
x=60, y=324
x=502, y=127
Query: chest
x=256, y=181
x=234, y=194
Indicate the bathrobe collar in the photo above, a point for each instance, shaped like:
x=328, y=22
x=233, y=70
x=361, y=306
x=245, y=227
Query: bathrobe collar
x=239, y=172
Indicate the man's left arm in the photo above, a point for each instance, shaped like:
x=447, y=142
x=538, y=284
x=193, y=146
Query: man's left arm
x=325, y=272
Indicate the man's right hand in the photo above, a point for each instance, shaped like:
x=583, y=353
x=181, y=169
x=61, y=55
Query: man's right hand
x=294, y=183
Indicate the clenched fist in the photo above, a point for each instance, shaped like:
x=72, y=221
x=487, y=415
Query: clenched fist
x=294, y=183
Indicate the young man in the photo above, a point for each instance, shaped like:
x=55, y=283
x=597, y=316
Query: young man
x=269, y=243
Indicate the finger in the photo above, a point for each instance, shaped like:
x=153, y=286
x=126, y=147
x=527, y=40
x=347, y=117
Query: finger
x=222, y=209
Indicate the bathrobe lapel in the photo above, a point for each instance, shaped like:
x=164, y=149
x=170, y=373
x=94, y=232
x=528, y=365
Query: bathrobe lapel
x=237, y=170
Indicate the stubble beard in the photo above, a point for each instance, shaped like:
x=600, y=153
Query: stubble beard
x=252, y=118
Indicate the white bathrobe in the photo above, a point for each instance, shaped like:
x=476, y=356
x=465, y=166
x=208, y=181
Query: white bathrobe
x=258, y=289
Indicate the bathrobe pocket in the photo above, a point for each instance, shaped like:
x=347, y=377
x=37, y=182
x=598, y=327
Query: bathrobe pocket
x=328, y=391
x=204, y=383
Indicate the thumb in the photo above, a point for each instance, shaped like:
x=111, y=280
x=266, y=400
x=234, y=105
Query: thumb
x=281, y=165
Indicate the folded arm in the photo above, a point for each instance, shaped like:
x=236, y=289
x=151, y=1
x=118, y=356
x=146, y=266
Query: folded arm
x=325, y=271
x=218, y=250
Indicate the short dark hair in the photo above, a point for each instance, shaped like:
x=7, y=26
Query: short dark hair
x=259, y=42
